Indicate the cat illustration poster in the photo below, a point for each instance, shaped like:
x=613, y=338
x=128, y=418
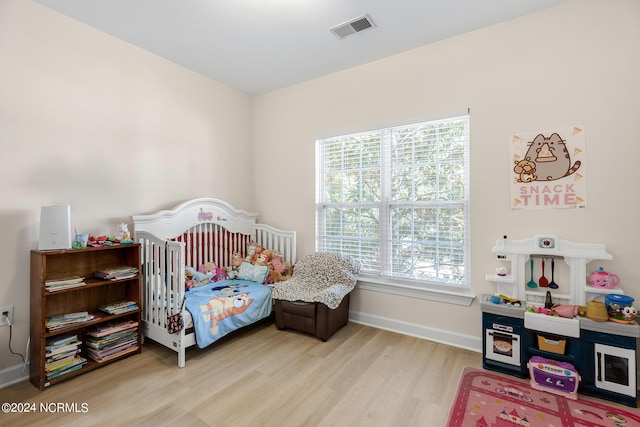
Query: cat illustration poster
x=548, y=169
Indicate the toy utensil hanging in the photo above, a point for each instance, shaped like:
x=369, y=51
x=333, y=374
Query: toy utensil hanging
x=543, y=282
x=552, y=284
x=531, y=283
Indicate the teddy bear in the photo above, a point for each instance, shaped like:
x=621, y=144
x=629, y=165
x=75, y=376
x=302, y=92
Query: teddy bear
x=257, y=251
x=263, y=259
x=236, y=260
x=203, y=275
x=279, y=271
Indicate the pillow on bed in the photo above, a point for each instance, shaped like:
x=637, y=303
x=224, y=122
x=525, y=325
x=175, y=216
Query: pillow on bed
x=253, y=272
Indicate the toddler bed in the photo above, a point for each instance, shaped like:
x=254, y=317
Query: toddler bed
x=198, y=232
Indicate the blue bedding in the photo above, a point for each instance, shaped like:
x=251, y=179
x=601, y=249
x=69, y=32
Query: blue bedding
x=222, y=307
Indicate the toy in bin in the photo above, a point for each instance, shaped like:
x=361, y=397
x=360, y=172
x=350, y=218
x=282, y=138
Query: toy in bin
x=620, y=309
x=555, y=377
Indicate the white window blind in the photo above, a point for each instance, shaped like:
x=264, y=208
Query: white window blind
x=397, y=199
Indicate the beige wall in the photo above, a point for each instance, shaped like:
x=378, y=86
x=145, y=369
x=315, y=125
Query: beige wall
x=90, y=121
x=575, y=64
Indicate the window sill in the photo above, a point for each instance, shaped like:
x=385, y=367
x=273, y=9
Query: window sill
x=433, y=293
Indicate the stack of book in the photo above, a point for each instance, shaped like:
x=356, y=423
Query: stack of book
x=113, y=273
x=64, y=320
x=112, y=340
x=119, y=307
x=64, y=283
x=62, y=356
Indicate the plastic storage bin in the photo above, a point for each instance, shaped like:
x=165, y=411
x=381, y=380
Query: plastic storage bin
x=551, y=343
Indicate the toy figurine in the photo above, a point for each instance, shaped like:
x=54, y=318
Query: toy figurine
x=501, y=271
x=623, y=315
x=122, y=232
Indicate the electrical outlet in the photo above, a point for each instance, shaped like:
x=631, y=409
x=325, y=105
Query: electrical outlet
x=8, y=316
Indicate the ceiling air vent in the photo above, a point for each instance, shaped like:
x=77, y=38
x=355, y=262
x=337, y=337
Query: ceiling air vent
x=351, y=27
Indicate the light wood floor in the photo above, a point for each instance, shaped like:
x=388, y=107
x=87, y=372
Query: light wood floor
x=264, y=377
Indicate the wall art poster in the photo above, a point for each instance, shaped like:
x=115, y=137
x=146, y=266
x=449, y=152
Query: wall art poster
x=548, y=169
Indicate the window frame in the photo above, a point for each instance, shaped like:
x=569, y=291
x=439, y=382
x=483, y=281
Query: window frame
x=437, y=291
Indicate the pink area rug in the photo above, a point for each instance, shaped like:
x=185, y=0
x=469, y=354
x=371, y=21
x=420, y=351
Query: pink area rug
x=489, y=399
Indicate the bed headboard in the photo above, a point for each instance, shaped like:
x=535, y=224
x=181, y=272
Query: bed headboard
x=211, y=229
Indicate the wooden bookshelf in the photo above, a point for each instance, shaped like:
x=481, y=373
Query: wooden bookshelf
x=57, y=264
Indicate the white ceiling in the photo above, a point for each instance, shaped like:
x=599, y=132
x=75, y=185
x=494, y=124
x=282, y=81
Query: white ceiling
x=258, y=46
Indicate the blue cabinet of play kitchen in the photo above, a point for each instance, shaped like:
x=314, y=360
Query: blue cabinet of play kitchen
x=609, y=361
x=603, y=353
x=504, y=341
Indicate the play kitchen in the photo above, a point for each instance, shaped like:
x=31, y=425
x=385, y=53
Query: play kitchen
x=549, y=312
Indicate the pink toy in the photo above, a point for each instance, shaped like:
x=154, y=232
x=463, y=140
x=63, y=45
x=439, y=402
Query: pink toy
x=603, y=279
x=555, y=377
x=542, y=310
x=566, y=310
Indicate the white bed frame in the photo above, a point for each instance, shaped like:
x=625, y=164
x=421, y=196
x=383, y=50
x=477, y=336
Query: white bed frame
x=194, y=232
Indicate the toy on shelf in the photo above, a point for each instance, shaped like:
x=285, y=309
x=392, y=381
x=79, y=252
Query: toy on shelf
x=122, y=232
x=604, y=280
x=560, y=378
x=620, y=310
x=566, y=310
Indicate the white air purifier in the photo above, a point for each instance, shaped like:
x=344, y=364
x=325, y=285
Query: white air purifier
x=55, y=228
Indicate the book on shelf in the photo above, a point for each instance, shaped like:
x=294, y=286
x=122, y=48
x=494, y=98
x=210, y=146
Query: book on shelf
x=115, y=339
x=62, y=356
x=59, y=341
x=120, y=272
x=113, y=356
x=112, y=327
x=79, y=363
x=119, y=307
x=62, y=347
x=113, y=348
x=64, y=283
x=65, y=320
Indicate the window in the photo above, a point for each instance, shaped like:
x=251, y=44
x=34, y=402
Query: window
x=397, y=199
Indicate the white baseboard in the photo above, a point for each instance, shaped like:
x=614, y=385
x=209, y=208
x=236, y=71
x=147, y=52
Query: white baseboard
x=467, y=342
x=13, y=374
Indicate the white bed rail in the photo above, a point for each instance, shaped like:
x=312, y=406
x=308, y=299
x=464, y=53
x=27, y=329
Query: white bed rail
x=280, y=241
x=162, y=276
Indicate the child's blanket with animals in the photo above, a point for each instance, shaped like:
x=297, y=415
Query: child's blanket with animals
x=222, y=307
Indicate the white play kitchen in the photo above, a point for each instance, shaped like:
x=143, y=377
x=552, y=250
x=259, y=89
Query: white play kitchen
x=570, y=328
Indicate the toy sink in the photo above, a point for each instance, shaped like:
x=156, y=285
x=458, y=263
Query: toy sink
x=552, y=324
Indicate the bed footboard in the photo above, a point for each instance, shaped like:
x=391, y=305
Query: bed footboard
x=163, y=290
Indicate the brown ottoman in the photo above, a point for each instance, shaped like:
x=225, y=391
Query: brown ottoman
x=311, y=317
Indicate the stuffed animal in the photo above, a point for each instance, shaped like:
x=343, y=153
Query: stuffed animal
x=188, y=279
x=231, y=273
x=203, y=275
x=263, y=259
x=221, y=274
x=251, y=248
x=280, y=276
x=253, y=258
x=236, y=260
x=277, y=265
x=122, y=232
x=208, y=268
x=215, y=273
